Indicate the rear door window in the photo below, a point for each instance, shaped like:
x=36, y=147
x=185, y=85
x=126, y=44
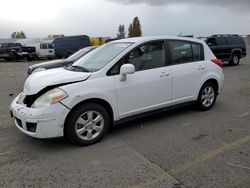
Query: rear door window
x=221, y=41
x=181, y=52
x=185, y=52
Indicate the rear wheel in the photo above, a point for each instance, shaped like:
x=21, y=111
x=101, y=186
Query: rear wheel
x=207, y=96
x=28, y=58
x=235, y=60
x=87, y=124
x=14, y=57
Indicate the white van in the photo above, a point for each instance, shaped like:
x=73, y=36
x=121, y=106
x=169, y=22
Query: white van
x=45, y=50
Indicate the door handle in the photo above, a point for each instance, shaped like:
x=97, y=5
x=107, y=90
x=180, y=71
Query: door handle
x=164, y=74
x=200, y=68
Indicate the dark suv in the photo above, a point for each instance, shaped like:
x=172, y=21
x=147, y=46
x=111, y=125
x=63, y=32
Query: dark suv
x=227, y=47
x=15, y=52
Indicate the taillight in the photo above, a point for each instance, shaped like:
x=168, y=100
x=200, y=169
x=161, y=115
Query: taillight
x=19, y=50
x=217, y=62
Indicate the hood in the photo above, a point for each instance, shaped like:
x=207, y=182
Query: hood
x=40, y=80
x=47, y=63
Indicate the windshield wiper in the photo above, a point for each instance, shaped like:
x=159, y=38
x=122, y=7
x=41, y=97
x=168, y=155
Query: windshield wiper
x=77, y=68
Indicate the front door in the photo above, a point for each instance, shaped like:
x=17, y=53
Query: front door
x=149, y=88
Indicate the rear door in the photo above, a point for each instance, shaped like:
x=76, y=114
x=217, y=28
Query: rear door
x=187, y=67
x=43, y=49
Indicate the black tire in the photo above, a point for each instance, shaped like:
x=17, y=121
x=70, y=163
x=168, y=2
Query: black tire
x=28, y=58
x=201, y=103
x=14, y=57
x=71, y=125
x=235, y=60
x=36, y=58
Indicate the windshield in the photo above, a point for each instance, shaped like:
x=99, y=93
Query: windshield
x=100, y=57
x=78, y=54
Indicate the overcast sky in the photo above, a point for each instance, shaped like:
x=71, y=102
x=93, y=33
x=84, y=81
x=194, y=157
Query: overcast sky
x=39, y=18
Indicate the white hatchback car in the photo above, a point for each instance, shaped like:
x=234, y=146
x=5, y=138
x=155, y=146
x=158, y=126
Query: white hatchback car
x=116, y=82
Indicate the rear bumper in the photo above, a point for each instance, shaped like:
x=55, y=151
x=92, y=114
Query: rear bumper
x=45, y=122
x=221, y=82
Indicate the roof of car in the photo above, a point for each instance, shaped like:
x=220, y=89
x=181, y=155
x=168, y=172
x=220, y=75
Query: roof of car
x=148, y=38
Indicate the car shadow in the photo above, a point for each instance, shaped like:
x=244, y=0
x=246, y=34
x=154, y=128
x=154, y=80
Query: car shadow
x=61, y=143
x=151, y=120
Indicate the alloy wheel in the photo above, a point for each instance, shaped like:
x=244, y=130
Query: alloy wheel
x=89, y=125
x=208, y=96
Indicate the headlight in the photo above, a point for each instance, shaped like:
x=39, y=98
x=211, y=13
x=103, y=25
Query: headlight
x=38, y=70
x=50, y=97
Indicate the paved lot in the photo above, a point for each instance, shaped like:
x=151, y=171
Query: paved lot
x=180, y=148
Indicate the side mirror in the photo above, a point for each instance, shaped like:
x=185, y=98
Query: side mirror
x=210, y=44
x=126, y=69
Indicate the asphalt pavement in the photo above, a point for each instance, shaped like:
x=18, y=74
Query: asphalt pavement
x=178, y=148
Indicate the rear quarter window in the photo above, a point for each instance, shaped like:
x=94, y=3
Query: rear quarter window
x=198, y=52
x=234, y=40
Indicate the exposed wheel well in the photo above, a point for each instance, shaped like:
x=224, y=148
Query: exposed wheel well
x=238, y=52
x=213, y=81
x=101, y=102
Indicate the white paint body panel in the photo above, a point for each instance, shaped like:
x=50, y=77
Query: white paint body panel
x=141, y=92
x=39, y=80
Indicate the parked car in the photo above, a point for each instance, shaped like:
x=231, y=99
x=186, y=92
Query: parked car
x=59, y=62
x=226, y=47
x=116, y=82
x=66, y=46
x=16, y=52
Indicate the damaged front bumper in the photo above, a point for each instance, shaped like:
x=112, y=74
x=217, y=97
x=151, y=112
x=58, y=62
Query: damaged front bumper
x=47, y=122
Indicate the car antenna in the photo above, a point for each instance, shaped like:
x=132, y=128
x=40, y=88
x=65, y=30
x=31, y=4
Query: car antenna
x=179, y=34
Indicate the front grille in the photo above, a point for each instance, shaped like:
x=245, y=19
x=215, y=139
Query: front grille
x=19, y=122
x=31, y=127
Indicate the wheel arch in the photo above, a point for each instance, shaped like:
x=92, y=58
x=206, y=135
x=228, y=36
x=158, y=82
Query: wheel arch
x=99, y=101
x=236, y=51
x=210, y=79
x=213, y=81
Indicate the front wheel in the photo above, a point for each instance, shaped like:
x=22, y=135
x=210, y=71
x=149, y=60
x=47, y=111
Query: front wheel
x=207, y=96
x=87, y=124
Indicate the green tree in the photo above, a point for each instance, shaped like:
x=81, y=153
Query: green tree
x=18, y=35
x=121, y=32
x=134, y=29
x=130, y=30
